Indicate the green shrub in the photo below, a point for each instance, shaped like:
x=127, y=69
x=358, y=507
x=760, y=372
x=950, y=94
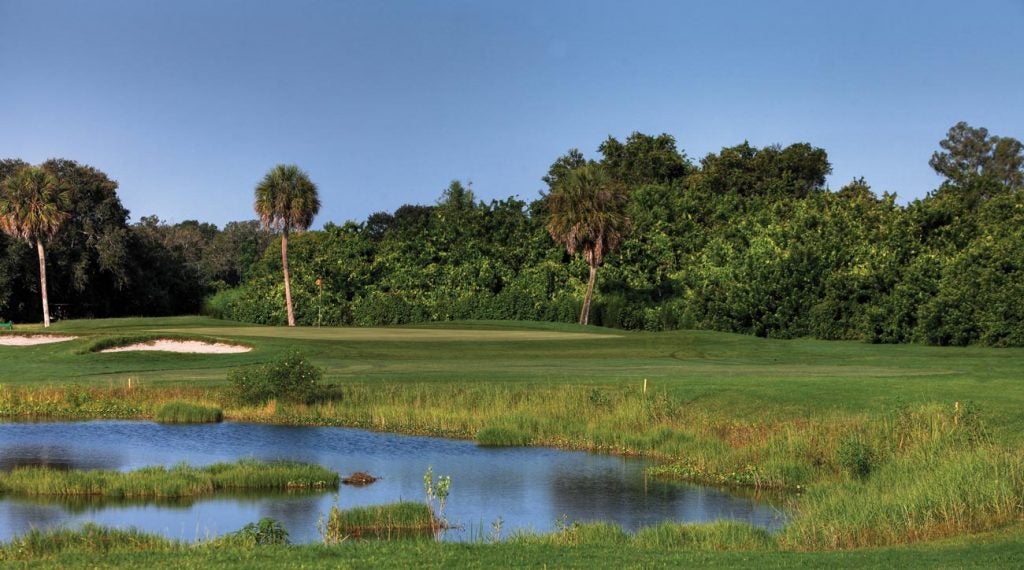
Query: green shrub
x=267, y=531
x=223, y=303
x=291, y=378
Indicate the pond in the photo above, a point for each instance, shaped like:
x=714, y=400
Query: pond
x=527, y=488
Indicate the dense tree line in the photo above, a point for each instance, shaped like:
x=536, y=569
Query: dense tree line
x=100, y=265
x=746, y=240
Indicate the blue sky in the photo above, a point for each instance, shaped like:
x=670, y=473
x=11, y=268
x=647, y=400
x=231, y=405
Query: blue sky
x=188, y=103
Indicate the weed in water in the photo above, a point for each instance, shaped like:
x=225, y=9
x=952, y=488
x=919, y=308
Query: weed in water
x=384, y=522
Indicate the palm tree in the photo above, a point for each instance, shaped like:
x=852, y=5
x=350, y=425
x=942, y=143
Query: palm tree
x=33, y=205
x=587, y=214
x=286, y=200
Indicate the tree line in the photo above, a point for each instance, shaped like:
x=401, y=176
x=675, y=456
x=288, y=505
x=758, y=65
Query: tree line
x=745, y=240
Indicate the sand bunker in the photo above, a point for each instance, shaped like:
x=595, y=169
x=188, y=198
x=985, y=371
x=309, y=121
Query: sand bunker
x=11, y=340
x=190, y=346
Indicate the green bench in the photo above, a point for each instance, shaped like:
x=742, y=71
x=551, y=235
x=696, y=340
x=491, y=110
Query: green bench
x=9, y=325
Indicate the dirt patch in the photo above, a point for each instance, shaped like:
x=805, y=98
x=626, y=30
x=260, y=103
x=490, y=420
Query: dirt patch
x=31, y=340
x=185, y=346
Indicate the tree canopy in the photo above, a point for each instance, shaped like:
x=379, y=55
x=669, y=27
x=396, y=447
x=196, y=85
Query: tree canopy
x=747, y=240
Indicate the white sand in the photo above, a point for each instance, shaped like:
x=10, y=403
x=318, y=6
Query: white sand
x=12, y=340
x=190, y=346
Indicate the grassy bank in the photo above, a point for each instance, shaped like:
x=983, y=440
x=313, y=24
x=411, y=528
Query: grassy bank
x=160, y=482
x=886, y=444
x=96, y=546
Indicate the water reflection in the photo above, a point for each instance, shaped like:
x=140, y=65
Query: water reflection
x=526, y=488
x=55, y=456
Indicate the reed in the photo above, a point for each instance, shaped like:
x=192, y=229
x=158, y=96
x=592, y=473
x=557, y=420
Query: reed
x=160, y=482
x=90, y=538
x=575, y=534
x=182, y=412
x=716, y=536
x=386, y=522
x=497, y=436
x=929, y=494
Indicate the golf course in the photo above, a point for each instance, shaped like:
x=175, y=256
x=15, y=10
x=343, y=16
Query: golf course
x=878, y=454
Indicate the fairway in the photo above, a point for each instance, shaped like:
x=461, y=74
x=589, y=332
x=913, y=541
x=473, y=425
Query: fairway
x=392, y=334
x=741, y=376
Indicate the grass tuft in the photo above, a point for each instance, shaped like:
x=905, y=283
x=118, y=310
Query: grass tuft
x=385, y=522
x=182, y=480
x=90, y=538
x=182, y=412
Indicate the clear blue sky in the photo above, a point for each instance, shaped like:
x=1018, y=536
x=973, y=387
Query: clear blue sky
x=188, y=103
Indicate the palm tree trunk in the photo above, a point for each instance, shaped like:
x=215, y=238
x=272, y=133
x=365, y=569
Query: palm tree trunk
x=42, y=282
x=287, y=279
x=585, y=313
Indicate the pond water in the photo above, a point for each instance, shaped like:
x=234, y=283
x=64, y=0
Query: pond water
x=527, y=488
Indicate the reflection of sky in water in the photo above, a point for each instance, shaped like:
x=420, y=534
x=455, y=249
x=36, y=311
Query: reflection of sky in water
x=528, y=488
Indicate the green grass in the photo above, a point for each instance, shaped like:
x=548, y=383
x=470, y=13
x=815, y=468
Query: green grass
x=717, y=536
x=742, y=376
x=391, y=521
x=181, y=480
x=94, y=546
x=887, y=444
x=181, y=412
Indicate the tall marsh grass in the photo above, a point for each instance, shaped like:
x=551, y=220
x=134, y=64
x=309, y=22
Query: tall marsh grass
x=392, y=521
x=903, y=474
x=90, y=538
x=161, y=482
x=931, y=493
x=717, y=536
x=182, y=412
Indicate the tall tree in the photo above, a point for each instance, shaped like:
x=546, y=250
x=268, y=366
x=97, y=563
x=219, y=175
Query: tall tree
x=286, y=201
x=33, y=205
x=644, y=159
x=587, y=214
x=968, y=152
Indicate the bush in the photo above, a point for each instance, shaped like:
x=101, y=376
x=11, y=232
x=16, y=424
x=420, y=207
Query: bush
x=291, y=378
x=221, y=305
x=267, y=531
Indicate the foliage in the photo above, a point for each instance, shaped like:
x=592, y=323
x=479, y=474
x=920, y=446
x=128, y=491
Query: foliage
x=749, y=240
x=33, y=207
x=266, y=532
x=290, y=378
x=587, y=214
x=437, y=491
x=286, y=201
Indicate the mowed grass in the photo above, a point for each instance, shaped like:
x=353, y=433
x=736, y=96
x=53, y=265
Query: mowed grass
x=738, y=375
